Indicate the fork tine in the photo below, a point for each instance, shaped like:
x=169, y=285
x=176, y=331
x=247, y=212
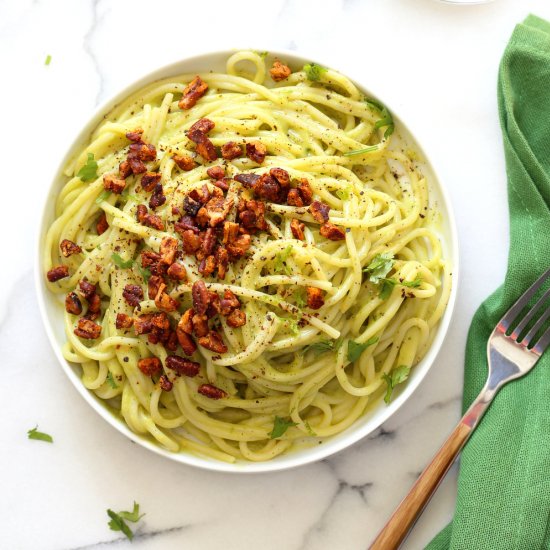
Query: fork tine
x=535, y=328
x=522, y=301
x=529, y=315
x=542, y=344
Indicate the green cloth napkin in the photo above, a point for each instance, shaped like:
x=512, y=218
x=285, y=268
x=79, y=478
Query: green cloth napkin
x=503, y=497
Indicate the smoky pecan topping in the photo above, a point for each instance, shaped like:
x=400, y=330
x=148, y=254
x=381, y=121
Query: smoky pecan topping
x=186, y=321
x=332, y=232
x=191, y=241
x=138, y=153
x=153, y=286
x=152, y=260
x=279, y=71
x=230, y=231
x=68, y=248
x=306, y=192
x=87, y=289
x=142, y=324
x=229, y=302
x=248, y=180
x=281, y=175
x=114, y=184
x=164, y=301
x=294, y=198
x=135, y=135
x=315, y=298
x=149, y=180
x=94, y=304
x=239, y=246
x=256, y=151
x=73, y=304
x=268, y=188
x=168, y=250
x=319, y=211
x=237, y=318
x=207, y=266
x=123, y=321
x=222, y=261
x=213, y=341
x=297, y=228
x=182, y=366
x=87, y=329
x=208, y=242
x=164, y=383
x=207, y=150
x=253, y=217
x=150, y=366
x=184, y=162
x=141, y=213
x=177, y=272
x=186, y=342
x=192, y=93
x=231, y=150
x=157, y=198
x=203, y=125
x=200, y=324
x=191, y=206
x=216, y=172
x=102, y=225
x=222, y=184
x=217, y=209
x=57, y=272
x=150, y=220
x=133, y=294
x=124, y=169
x=201, y=298
x=212, y=392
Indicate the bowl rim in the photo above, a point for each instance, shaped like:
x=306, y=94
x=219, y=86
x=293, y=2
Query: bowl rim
x=308, y=455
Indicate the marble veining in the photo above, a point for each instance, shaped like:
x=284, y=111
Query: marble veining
x=55, y=496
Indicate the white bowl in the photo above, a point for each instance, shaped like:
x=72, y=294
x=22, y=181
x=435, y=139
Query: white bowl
x=52, y=311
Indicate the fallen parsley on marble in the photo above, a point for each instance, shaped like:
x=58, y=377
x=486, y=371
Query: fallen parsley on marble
x=41, y=436
x=117, y=522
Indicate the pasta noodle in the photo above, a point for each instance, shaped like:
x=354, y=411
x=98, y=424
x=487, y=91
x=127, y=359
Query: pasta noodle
x=296, y=371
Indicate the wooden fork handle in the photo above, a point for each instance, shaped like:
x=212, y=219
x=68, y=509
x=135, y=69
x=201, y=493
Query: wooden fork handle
x=410, y=508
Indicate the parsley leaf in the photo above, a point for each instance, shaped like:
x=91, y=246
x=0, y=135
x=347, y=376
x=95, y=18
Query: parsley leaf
x=48, y=60
x=145, y=273
x=386, y=120
x=89, y=171
x=314, y=71
x=280, y=261
x=280, y=426
x=388, y=284
x=111, y=380
x=397, y=376
x=361, y=151
x=117, y=522
x=355, y=350
x=263, y=55
x=379, y=267
x=299, y=298
x=322, y=346
x=121, y=263
x=35, y=434
x=415, y=283
x=102, y=196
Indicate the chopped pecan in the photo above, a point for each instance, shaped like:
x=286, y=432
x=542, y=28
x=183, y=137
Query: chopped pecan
x=201, y=195
x=212, y=392
x=186, y=223
x=142, y=151
x=208, y=241
x=256, y=151
x=191, y=241
x=297, y=228
x=164, y=383
x=135, y=135
x=184, y=162
x=230, y=231
x=142, y=324
x=231, y=150
x=254, y=215
x=207, y=266
x=160, y=320
x=123, y=321
x=315, y=298
x=222, y=184
x=201, y=298
x=57, y=272
x=237, y=318
x=207, y=150
x=177, y=272
x=186, y=342
x=216, y=172
x=168, y=250
x=141, y=213
x=164, y=301
x=149, y=180
x=114, y=184
x=154, y=221
x=182, y=365
x=124, y=169
x=248, y=180
x=87, y=289
x=306, y=192
x=73, y=304
x=331, y=232
x=157, y=198
x=153, y=286
x=213, y=341
x=222, y=261
x=133, y=294
x=217, y=209
x=267, y=187
x=185, y=323
x=191, y=206
x=150, y=366
x=102, y=225
x=136, y=165
x=87, y=329
x=294, y=198
x=200, y=324
x=151, y=260
x=229, y=302
x=68, y=248
x=282, y=176
x=171, y=344
x=238, y=247
x=192, y=93
x=203, y=125
x=279, y=71
x=94, y=304
x=319, y=211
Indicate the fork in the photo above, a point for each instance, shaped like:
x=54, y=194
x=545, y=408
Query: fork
x=509, y=358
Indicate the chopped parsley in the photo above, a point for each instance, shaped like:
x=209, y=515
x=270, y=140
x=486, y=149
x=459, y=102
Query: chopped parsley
x=386, y=120
x=41, y=436
x=387, y=286
x=111, y=381
x=280, y=261
x=117, y=522
x=145, y=273
x=48, y=60
x=89, y=171
x=103, y=196
x=299, y=298
x=379, y=267
x=314, y=71
x=355, y=350
x=396, y=376
x=322, y=346
x=280, y=426
x=120, y=262
x=362, y=151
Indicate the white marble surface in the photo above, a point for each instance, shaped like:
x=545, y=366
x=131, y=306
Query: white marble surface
x=436, y=63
